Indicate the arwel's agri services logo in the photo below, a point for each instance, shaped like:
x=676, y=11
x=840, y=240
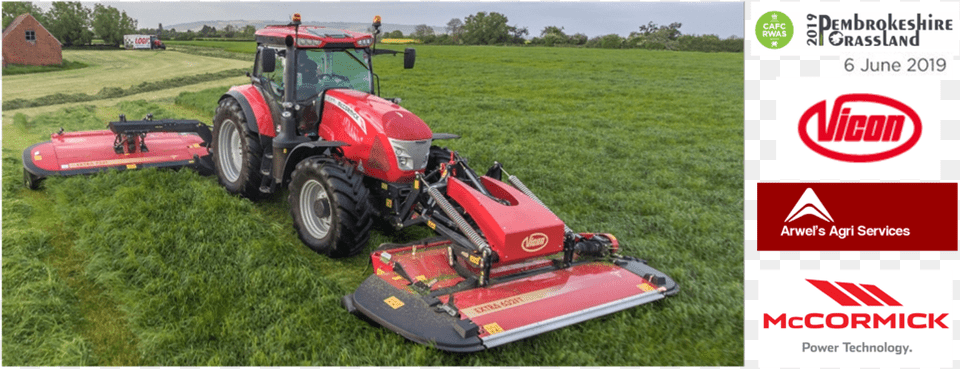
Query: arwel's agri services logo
x=861, y=217
x=861, y=128
x=857, y=295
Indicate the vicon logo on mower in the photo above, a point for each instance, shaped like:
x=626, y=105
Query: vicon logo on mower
x=856, y=295
x=862, y=128
x=534, y=242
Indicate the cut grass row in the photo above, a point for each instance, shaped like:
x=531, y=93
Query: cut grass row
x=13, y=69
x=113, y=69
x=115, y=92
x=644, y=145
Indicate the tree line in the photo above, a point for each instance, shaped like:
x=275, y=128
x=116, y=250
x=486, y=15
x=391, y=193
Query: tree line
x=493, y=29
x=74, y=24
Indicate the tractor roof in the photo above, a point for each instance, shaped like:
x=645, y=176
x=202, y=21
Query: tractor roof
x=314, y=37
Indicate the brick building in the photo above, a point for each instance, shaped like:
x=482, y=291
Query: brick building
x=27, y=42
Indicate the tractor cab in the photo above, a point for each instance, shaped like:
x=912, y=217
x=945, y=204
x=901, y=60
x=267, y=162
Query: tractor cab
x=325, y=58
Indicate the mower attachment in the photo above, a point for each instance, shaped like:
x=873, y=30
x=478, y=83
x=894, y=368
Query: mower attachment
x=417, y=294
x=504, y=267
x=147, y=143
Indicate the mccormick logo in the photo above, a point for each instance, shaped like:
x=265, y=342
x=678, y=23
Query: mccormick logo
x=861, y=217
x=856, y=295
x=861, y=128
x=534, y=242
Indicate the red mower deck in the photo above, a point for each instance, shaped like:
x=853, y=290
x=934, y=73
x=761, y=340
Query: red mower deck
x=127, y=145
x=412, y=289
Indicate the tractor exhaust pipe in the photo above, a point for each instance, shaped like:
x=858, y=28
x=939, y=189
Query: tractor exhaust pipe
x=287, y=137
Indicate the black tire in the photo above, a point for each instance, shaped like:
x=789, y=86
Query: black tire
x=235, y=151
x=30, y=180
x=330, y=207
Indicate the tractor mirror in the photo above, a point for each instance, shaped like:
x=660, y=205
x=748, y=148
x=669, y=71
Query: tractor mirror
x=268, y=59
x=409, y=57
x=288, y=41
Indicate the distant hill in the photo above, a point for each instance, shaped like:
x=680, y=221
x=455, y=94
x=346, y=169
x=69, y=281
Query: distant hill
x=351, y=26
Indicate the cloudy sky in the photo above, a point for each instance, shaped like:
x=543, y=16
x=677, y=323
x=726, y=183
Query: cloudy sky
x=591, y=18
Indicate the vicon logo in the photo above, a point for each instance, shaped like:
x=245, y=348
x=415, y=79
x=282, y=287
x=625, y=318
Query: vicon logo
x=534, y=242
x=860, y=134
x=856, y=295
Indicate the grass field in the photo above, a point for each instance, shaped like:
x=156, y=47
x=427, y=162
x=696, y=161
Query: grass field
x=122, y=69
x=165, y=268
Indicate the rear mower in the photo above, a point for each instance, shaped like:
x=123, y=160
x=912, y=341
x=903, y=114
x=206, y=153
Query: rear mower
x=503, y=268
x=147, y=143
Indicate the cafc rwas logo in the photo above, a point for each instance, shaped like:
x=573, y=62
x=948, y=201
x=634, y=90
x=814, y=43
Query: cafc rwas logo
x=861, y=128
x=892, y=317
x=857, y=216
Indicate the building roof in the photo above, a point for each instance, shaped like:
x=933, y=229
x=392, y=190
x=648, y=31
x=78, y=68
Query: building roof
x=16, y=23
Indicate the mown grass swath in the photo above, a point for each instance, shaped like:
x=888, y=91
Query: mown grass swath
x=13, y=69
x=645, y=145
x=113, y=92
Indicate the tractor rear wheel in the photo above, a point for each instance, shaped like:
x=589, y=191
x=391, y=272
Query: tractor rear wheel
x=236, y=152
x=330, y=208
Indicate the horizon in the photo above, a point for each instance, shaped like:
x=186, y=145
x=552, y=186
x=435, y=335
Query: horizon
x=723, y=19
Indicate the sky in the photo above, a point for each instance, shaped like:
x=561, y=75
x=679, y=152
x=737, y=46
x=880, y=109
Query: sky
x=591, y=18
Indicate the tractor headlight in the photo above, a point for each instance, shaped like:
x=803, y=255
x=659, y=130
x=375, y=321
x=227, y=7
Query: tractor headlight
x=411, y=155
x=302, y=41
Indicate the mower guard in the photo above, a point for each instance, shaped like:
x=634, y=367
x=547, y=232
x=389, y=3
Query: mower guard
x=411, y=290
x=126, y=145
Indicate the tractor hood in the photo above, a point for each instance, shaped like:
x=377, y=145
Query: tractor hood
x=372, y=115
x=390, y=142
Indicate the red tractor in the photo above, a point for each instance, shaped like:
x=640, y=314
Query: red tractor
x=504, y=267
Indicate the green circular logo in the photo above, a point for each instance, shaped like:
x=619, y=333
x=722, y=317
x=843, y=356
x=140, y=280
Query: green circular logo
x=774, y=30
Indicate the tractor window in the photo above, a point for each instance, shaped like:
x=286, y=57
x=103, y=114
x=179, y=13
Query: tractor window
x=321, y=69
x=272, y=81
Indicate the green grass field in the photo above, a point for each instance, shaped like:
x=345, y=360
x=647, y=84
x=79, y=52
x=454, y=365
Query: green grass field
x=120, y=69
x=166, y=268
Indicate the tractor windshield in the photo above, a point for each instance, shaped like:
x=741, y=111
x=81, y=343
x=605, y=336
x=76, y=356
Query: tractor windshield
x=319, y=69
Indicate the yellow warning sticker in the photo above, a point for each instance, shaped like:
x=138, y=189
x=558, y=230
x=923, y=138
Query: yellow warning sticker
x=383, y=185
x=37, y=157
x=397, y=278
x=394, y=302
x=492, y=328
x=421, y=278
x=431, y=224
x=380, y=272
x=131, y=166
x=475, y=260
x=645, y=287
x=416, y=185
x=389, y=203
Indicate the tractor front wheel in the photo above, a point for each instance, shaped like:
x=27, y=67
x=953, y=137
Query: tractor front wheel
x=329, y=205
x=236, y=152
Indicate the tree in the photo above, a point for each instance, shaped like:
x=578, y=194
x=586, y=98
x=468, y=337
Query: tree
x=394, y=34
x=14, y=9
x=455, y=28
x=422, y=31
x=207, y=31
x=249, y=31
x=552, y=35
x=518, y=34
x=109, y=24
x=486, y=29
x=229, y=31
x=69, y=22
